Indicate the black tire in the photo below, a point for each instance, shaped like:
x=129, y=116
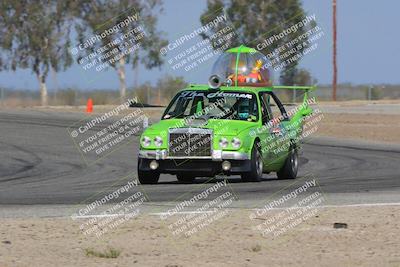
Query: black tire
x=185, y=178
x=291, y=166
x=147, y=177
x=255, y=175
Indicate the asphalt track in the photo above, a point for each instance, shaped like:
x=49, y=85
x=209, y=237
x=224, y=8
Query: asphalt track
x=39, y=164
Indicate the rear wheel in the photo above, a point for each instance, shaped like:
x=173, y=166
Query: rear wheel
x=291, y=166
x=255, y=175
x=185, y=178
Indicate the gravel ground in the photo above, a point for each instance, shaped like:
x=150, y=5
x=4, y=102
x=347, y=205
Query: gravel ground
x=370, y=239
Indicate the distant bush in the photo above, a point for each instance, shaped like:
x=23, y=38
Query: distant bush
x=166, y=88
x=376, y=93
x=104, y=97
x=66, y=97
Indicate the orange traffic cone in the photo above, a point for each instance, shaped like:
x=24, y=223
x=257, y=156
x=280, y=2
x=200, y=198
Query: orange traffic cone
x=89, y=106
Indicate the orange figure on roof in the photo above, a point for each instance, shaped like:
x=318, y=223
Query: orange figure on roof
x=255, y=76
x=242, y=66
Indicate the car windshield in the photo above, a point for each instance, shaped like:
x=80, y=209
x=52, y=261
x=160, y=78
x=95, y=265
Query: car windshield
x=231, y=105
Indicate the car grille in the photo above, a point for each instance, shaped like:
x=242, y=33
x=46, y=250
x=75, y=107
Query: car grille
x=190, y=143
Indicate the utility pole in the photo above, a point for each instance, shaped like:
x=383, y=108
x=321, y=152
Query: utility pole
x=2, y=97
x=334, y=82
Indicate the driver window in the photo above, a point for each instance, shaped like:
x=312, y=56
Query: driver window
x=270, y=108
x=264, y=109
x=273, y=107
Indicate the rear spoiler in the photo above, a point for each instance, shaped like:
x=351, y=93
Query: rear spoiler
x=305, y=109
x=295, y=87
x=306, y=88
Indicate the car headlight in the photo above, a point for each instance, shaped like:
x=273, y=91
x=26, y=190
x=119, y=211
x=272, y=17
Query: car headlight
x=146, y=141
x=158, y=141
x=223, y=142
x=236, y=142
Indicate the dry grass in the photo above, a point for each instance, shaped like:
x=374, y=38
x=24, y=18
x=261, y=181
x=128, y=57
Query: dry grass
x=109, y=253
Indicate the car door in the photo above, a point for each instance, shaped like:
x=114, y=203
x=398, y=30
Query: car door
x=276, y=144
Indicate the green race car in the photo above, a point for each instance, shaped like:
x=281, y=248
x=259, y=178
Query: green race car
x=235, y=125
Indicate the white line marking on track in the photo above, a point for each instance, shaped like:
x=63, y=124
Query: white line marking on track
x=181, y=212
x=104, y=215
x=362, y=205
x=209, y=211
x=126, y=214
x=284, y=208
x=339, y=206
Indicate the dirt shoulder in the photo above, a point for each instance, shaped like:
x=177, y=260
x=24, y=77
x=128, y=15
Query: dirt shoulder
x=377, y=121
x=372, y=127
x=370, y=239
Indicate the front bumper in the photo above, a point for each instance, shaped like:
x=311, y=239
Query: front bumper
x=197, y=167
x=217, y=155
x=200, y=166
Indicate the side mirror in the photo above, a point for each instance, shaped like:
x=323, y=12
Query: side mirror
x=307, y=111
x=252, y=118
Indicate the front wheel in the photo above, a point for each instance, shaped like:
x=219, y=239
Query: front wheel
x=255, y=175
x=147, y=177
x=185, y=178
x=291, y=166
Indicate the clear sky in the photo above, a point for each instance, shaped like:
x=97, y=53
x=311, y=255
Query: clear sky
x=368, y=47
